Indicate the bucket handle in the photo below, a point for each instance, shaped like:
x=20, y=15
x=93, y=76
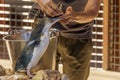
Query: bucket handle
x=12, y=32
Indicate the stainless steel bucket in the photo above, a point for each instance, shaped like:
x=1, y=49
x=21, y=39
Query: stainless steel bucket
x=16, y=42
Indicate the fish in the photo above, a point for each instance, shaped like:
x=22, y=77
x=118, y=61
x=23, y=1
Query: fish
x=36, y=45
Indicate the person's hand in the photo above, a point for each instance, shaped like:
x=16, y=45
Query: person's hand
x=49, y=8
x=67, y=17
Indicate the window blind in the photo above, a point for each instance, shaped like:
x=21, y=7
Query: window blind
x=97, y=54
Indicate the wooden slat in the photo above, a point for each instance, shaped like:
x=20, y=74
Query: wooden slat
x=105, y=32
x=17, y=9
x=18, y=2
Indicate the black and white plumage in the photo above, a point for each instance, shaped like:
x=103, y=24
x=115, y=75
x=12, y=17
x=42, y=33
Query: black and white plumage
x=36, y=46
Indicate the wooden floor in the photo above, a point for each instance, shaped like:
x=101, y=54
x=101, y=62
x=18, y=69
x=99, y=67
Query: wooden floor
x=103, y=75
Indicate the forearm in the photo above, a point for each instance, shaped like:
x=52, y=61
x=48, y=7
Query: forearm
x=83, y=17
x=90, y=12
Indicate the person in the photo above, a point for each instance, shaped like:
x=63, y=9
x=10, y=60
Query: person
x=75, y=40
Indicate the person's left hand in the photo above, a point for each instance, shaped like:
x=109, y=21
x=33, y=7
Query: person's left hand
x=67, y=17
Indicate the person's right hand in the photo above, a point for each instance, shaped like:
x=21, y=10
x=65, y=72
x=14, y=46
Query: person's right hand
x=49, y=8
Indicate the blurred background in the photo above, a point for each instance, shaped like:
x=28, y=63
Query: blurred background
x=106, y=31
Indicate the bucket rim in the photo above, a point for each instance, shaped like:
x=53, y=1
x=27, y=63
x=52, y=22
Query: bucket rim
x=4, y=38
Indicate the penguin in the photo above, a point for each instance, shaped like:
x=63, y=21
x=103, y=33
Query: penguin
x=36, y=45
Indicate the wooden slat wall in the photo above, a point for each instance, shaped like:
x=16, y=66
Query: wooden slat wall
x=3, y=51
x=13, y=16
x=114, y=35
